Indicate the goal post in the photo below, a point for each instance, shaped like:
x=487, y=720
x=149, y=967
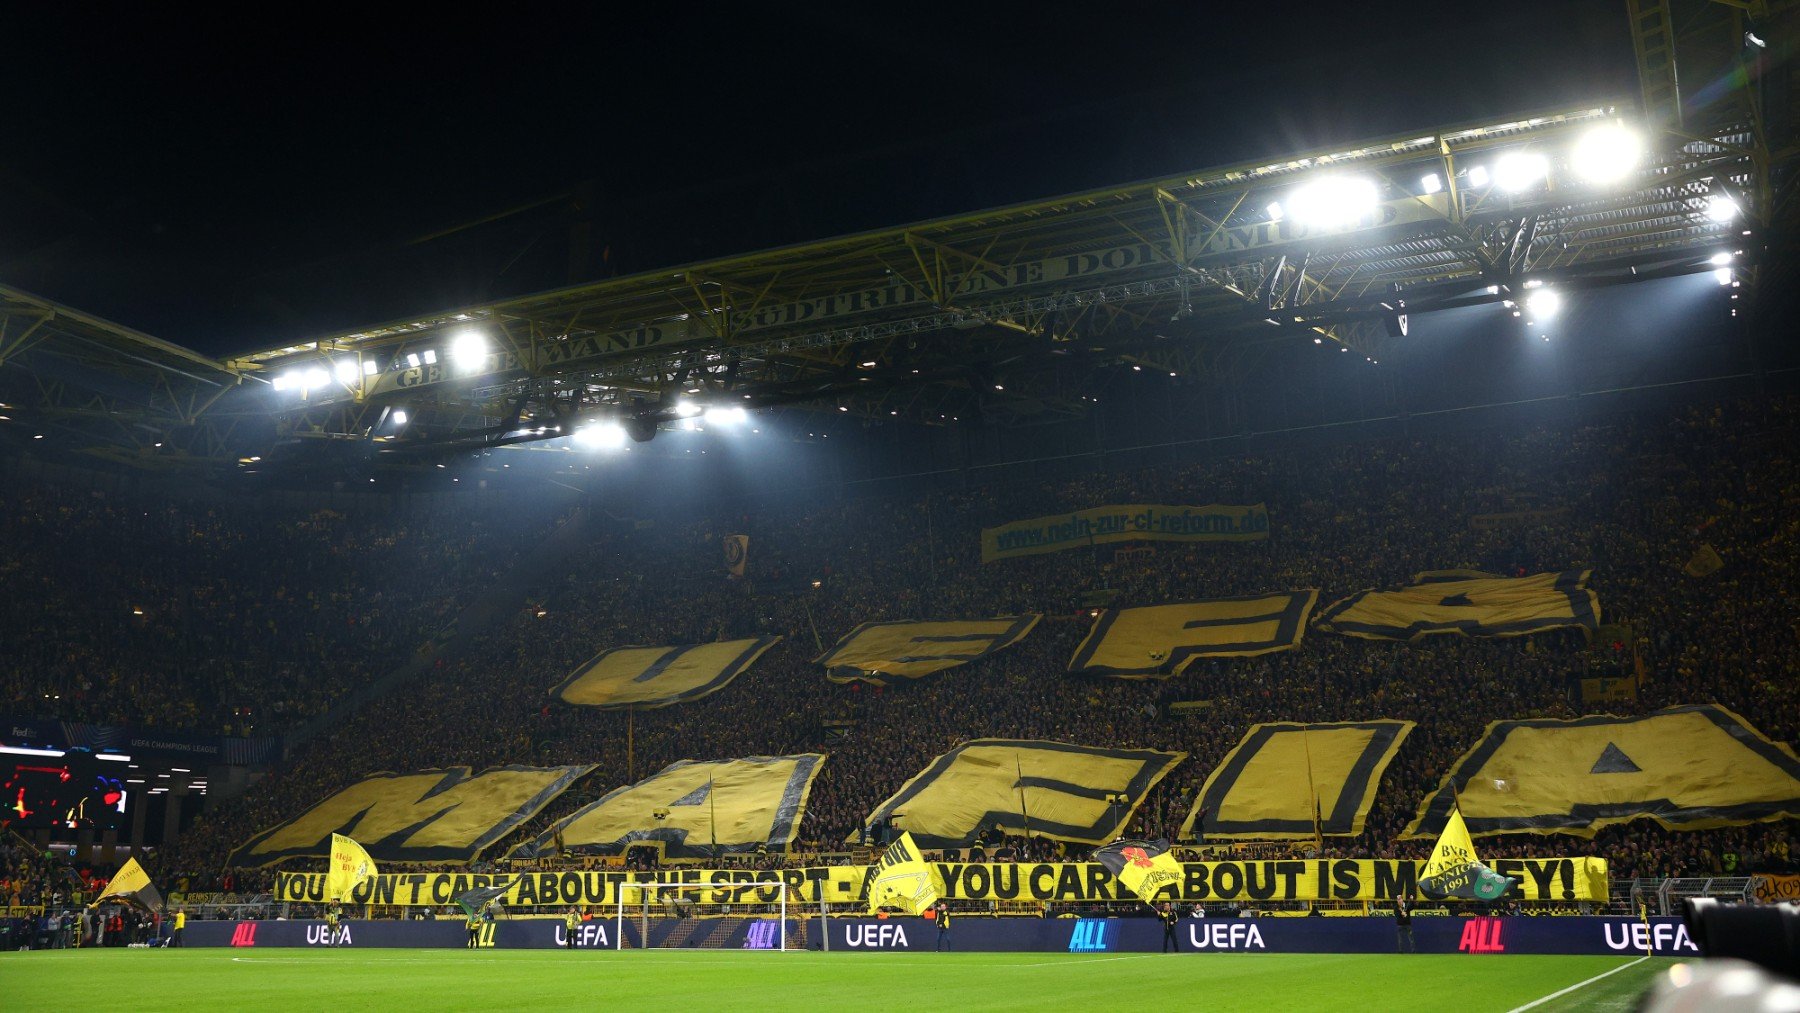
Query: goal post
x=739, y=915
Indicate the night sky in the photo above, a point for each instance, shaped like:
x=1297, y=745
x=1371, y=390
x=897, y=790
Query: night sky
x=234, y=181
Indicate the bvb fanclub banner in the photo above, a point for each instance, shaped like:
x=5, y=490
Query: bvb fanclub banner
x=1125, y=523
x=1556, y=879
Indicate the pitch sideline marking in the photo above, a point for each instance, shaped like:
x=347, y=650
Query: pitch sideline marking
x=1579, y=984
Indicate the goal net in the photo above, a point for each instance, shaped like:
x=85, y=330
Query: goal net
x=731, y=916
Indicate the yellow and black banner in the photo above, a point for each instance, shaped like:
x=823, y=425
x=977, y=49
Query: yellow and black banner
x=651, y=677
x=903, y=879
x=1159, y=641
x=885, y=652
x=131, y=882
x=1350, y=879
x=1027, y=787
x=1144, y=867
x=737, y=552
x=426, y=816
x=692, y=809
x=1282, y=777
x=1468, y=602
x=1687, y=768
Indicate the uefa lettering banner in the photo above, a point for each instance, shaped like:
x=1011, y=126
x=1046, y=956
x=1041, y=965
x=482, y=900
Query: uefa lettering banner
x=692, y=809
x=651, y=677
x=426, y=816
x=1468, y=602
x=1687, y=768
x=886, y=652
x=1295, y=879
x=1025, y=787
x=1281, y=777
x=1125, y=523
x=1159, y=641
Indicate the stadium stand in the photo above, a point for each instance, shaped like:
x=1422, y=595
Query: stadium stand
x=1631, y=498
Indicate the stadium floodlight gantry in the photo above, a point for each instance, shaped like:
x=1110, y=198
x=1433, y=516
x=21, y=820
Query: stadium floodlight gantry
x=1002, y=310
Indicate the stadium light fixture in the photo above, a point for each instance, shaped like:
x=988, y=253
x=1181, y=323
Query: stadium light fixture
x=430, y=356
x=1334, y=201
x=346, y=371
x=469, y=351
x=1478, y=176
x=601, y=436
x=1517, y=171
x=1607, y=153
x=369, y=367
x=283, y=382
x=733, y=416
x=315, y=377
x=1719, y=259
x=399, y=416
x=686, y=409
x=1543, y=303
x=1275, y=211
x=412, y=359
x=1431, y=182
x=1720, y=208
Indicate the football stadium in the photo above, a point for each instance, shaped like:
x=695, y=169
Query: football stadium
x=1263, y=516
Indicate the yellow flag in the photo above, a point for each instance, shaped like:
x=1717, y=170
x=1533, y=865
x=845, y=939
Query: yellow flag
x=1454, y=871
x=904, y=879
x=351, y=866
x=132, y=882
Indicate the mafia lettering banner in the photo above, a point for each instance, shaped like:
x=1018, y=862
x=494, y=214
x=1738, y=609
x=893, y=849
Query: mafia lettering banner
x=1281, y=777
x=1548, y=879
x=1027, y=787
x=886, y=652
x=1468, y=602
x=1687, y=768
x=692, y=809
x=425, y=816
x=1125, y=523
x=651, y=677
x=1160, y=641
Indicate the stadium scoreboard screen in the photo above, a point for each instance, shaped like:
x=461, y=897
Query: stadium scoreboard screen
x=62, y=793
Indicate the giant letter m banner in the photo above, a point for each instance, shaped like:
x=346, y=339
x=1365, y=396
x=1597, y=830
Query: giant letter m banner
x=426, y=816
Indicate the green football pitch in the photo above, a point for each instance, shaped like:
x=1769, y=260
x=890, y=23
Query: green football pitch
x=408, y=981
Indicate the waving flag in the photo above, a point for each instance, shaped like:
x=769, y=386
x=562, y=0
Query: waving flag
x=1144, y=867
x=351, y=867
x=1454, y=871
x=904, y=879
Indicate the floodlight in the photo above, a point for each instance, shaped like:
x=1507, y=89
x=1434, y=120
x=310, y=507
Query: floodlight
x=315, y=377
x=284, y=381
x=370, y=368
x=1274, y=210
x=430, y=356
x=469, y=351
x=1719, y=259
x=1520, y=170
x=726, y=416
x=345, y=370
x=1543, y=303
x=603, y=436
x=412, y=359
x=1720, y=208
x=1607, y=153
x=1431, y=182
x=399, y=416
x=686, y=409
x=1333, y=201
x=1478, y=175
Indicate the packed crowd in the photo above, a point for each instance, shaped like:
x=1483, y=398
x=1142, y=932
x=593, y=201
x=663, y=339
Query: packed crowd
x=226, y=615
x=1638, y=494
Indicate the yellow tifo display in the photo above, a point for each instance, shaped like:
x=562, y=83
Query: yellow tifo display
x=651, y=677
x=426, y=816
x=886, y=652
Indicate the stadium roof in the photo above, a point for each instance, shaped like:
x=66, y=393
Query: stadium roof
x=1000, y=312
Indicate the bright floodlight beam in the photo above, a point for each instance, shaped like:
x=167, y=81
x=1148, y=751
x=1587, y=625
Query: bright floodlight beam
x=1720, y=208
x=1543, y=303
x=469, y=351
x=1333, y=201
x=1607, y=154
x=726, y=416
x=399, y=416
x=1517, y=171
x=601, y=436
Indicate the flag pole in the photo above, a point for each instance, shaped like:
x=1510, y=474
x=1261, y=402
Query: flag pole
x=1023, y=809
x=1312, y=790
x=712, y=817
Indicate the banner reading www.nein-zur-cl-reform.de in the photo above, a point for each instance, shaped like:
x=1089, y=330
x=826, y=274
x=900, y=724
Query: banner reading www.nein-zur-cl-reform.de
x=1127, y=523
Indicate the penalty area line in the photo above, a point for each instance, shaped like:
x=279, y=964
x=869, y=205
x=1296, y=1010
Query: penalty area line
x=1578, y=985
